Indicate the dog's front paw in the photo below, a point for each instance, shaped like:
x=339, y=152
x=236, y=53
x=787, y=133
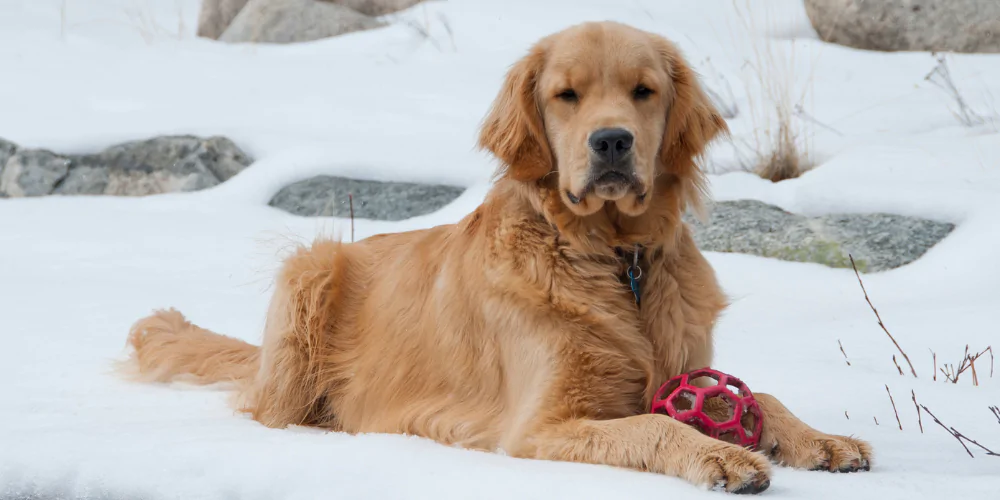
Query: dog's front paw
x=737, y=470
x=813, y=450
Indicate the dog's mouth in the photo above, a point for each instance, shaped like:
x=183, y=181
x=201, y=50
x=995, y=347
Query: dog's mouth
x=613, y=178
x=611, y=185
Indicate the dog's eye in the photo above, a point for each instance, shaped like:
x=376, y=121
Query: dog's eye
x=642, y=92
x=568, y=95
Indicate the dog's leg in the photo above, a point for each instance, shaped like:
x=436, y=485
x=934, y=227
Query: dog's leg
x=293, y=383
x=654, y=443
x=793, y=443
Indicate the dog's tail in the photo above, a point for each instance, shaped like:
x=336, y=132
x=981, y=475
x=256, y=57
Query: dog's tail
x=166, y=347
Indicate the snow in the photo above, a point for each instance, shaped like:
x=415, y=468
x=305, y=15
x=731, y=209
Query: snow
x=80, y=75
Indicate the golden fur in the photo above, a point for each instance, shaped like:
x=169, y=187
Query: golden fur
x=512, y=329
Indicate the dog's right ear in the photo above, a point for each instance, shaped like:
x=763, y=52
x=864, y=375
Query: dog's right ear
x=513, y=130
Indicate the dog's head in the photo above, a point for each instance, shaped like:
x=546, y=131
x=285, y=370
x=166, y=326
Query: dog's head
x=607, y=109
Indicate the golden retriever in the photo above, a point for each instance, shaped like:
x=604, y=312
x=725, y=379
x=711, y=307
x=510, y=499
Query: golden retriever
x=515, y=329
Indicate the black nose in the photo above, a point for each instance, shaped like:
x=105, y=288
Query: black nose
x=611, y=144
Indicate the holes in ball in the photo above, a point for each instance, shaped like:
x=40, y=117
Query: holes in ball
x=685, y=400
x=737, y=387
x=704, y=380
x=669, y=389
x=730, y=437
x=720, y=408
x=749, y=422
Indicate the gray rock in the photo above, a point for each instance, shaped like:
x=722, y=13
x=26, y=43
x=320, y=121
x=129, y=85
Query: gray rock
x=909, y=25
x=290, y=21
x=222, y=157
x=84, y=180
x=876, y=241
x=7, y=149
x=33, y=172
x=328, y=196
x=160, y=165
x=216, y=15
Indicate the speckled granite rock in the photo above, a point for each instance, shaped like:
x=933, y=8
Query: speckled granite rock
x=908, y=25
x=328, y=196
x=877, y=241
x=159, y=165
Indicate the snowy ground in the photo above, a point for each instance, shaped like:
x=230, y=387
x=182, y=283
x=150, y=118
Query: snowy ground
x=79, y=75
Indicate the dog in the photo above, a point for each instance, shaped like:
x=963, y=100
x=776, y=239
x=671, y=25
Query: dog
x=520, y=328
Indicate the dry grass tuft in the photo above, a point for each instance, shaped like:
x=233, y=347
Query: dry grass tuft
x=940, y=77
x=780, y=144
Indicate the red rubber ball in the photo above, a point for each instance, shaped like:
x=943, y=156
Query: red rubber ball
x=733, y=414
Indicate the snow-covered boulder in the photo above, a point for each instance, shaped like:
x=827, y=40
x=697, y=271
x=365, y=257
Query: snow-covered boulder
x=876, y=241
x=159, y=165
x=328, y=196
x=908, y=25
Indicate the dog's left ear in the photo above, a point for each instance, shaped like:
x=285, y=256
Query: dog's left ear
x=692, y=123
x=513, y=130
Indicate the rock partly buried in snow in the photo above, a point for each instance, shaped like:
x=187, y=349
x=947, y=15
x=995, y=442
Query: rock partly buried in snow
x=328, y=196
x=7, y=149
x=32, y=172
x=159, y=165
x=908, y=25
x=281, y=18
x=291, y=21
x=216, y=15
x=876, y=241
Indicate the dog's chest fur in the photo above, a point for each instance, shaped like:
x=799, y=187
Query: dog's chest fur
x=607, y=355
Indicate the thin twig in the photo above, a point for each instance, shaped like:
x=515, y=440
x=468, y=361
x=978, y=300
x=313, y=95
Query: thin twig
x=350, y=201
x=875, y=419
x=988, y=349
x=894, y=407
x=968, y=362
x=801, y=113
x=996, y=412
x=962, y=366
x=949, y=431
x=948, y=371
x=879, y=318
x=973, y=441
x=941, y=77
x=897, y=364
x=848, y=417
x=935, y=365
x=844, y=353
x=919, y=420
